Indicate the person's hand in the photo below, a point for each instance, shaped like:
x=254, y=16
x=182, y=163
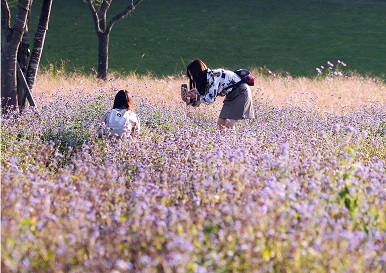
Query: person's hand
x=193, y=94
x=184, y=93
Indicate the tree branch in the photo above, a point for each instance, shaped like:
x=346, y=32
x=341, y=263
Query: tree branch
x=5, y=16
x=94, y=12
x=24, y=84
x=124, y=13
x=39, y=42
x=21, y=16
x=103, y=13
x=105, y=6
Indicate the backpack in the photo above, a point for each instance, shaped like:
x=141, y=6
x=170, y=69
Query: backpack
x=245, y=76
x=118, y=122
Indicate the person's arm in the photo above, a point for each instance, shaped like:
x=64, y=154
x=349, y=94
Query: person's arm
x=193, y=94
x=136, y=127
x=102, y=125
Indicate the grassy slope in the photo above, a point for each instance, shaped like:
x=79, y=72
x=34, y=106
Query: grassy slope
x=295, y=36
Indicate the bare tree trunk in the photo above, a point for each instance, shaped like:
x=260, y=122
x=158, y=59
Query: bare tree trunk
x=103, y=29
x=8, y=75
x=22, y=59
x=10, y=45
x=39, y=40
x=103, y=54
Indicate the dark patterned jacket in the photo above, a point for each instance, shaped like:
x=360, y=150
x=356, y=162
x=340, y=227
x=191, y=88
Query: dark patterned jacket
x=217, y=82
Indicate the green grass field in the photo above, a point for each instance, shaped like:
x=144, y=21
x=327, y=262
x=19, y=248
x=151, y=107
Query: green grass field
x=161, y=37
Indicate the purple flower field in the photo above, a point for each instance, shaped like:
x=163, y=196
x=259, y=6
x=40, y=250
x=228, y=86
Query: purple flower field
x=301, y=188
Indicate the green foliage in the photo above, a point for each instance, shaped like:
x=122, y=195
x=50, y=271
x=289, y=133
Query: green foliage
x=66, y=138
x=350, y=202
x=55, y=69
x=163, y=36
x=381, y=131
x=160, y=120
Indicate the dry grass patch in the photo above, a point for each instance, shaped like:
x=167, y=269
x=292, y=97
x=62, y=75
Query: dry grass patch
x=339, y=95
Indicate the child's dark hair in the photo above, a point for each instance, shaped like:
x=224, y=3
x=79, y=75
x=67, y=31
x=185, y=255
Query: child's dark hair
x=196, y=72
x=123, y=98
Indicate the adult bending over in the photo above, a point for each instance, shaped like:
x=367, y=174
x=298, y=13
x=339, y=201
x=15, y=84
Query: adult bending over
x=206, y=84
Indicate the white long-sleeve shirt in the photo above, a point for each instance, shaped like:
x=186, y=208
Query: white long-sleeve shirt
x=217, y=82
